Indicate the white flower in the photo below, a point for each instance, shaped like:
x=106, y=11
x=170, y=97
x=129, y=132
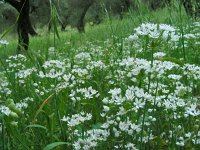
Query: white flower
x=197, y=43
x=139, y=103
x=64, y=119
x=188, y=36
x=197, y=24
x=83, y=56
x=77, y=145
x=105, y=100
x=159, y=55
x=88, y=93
x=22, y=74
x=135, y=127
x=5, y=110
x=117, y=133
x=175, y=37
x=174, y=77
x=4, y=42
x=180, y=141
x=166, y=27
x=130, y=146
x=192, y=110
x=51, y=49
x=54, y=68
x=80, y=72
x=124, y=126
x=188, y=135
x=130, y=95
x=106, y=108
x=133, y=37
x=77, y=119
x=122, y=111
x=154, y=34
x=96, y=64
x=153, y=31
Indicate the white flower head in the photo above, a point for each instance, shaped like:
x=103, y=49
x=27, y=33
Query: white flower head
x=5, y=110
x=4, y=42
x=159, y=55
x=133, y=37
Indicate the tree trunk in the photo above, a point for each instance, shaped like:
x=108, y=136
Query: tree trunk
x=156, y=4
x=197, y=9
x=80, y=24
x=125, y=5
x=24, y=27
x=188, y=7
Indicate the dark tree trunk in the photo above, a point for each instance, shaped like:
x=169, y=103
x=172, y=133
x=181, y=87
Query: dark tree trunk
x=197, y=9
x=97, y=12
x=63, y=26
x=125, y=5
x=192, y=8
x=24, y=27
x=80, y=24
x=97, y=19
x=188, y=7
x=156, y=4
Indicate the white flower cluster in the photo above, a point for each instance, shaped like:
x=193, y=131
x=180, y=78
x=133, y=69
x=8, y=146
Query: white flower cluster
x=159, y=55
x=88, y=93
x=51, y=50
x=80, y=72
x=53, y=69
x=96, y=64
x=155, y=31
x=4, y=42
x=16, y=63
x=83, y=93
x=83, y=56
x=23, y=74
x=192, y=110
x=93, y=137
x=5, y=110
x=4, y=85
x=191, y=71
x=24, y=103
x=77, y=119
x=129, y=127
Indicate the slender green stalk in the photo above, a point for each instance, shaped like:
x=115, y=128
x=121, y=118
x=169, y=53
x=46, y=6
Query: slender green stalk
x=182, y=32
x=59, y=117
x=3, y=136
x=142, y=131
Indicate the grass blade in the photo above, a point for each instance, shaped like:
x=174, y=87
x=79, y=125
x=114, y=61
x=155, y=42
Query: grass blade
x=53, y=145
x=36, y=126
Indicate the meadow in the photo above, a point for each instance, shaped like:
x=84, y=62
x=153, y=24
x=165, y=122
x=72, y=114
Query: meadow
x=124, y=84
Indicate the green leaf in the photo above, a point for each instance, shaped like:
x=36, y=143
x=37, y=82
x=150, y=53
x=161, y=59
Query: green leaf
x=172, y=59
x=97, y=126
x=53, y=145
x=37, y=126
x=16, y=135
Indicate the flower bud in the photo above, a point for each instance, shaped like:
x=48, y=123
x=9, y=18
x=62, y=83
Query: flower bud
x=9, y=101
x=14, y=123
x=13, y=115
x=11, y=106
x=196, y=127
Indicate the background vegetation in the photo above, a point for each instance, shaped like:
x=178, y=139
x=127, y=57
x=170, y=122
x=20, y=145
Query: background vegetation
x=130, y=82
